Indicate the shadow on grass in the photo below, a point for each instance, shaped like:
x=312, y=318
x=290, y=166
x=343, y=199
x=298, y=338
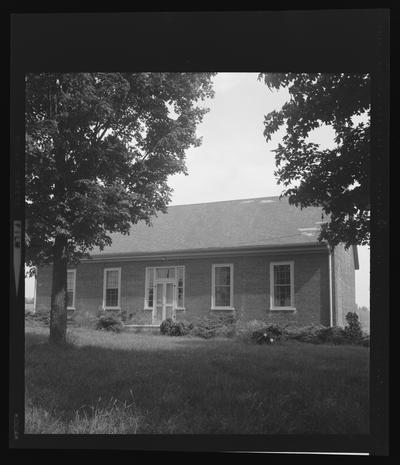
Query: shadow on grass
x=190, y=385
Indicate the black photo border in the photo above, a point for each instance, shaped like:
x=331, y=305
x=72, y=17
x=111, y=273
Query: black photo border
x=335, y=40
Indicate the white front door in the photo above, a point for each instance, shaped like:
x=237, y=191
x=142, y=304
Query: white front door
x=164, y=301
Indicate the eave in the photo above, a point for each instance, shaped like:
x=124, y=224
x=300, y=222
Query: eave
x=311, y=247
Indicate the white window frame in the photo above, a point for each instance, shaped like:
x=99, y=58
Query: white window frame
x=74, y=289
x=146, y=285
x=176, y=287
x=118, y=307
x=271, y=280
x=213, y=306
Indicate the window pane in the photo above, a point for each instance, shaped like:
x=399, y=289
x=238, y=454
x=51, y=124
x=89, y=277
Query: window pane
x=282, y=274
x=150, y=275
x=70, y=298
x=180, y=296
x=180, y=272
x=222, y=275
x=150, y=297
x=169, y=294
x=112, y=279
x=282, y=296
x=222, y=296
x=165, y=273
x=149, y=289
x=159, y=294
x=112, y=298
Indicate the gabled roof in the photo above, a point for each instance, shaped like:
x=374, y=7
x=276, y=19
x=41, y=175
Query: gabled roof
x=266, y=221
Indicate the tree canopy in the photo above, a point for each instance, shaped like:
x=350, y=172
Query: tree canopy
x=99, y=150
x=337, y=179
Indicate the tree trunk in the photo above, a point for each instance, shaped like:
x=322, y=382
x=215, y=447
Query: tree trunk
x=58, y=312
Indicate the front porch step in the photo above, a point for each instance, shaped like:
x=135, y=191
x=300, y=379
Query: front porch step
x=152, y=329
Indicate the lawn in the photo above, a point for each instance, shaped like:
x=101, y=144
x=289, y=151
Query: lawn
x=135, y=383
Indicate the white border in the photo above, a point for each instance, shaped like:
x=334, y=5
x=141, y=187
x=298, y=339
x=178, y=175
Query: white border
x=271, y=283
x=118, y=307
x=217, y=265
x=73, y=300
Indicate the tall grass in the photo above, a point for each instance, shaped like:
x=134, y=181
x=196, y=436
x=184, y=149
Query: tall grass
x=115, y=417
x=168, y=385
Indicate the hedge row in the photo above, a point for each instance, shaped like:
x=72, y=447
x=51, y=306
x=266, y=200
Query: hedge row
x=260, y=332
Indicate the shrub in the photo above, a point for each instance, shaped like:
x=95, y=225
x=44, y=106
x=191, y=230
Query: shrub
x=40, y=318
x=165, y=326
x=259, y=332
x=353, y=328
x=319, y=334
x=181, y=328
x=247, y=327
x=267, y=335
x=333, y=335
x=214, y=326
x=109, y=323
x=170, y=327
x=308, y=333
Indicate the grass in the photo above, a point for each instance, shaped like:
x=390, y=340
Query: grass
x=136, y=383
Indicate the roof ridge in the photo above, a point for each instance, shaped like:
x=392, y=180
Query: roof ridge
x=225, y=201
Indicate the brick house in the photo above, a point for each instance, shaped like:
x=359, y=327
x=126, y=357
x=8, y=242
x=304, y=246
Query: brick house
x=258, y=259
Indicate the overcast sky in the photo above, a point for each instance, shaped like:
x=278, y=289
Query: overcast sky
x=234, y=160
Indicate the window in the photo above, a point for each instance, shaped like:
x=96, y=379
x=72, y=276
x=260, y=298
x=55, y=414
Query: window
x=71, y=275
x=112, y=287
x=149, y=291
x=180, y=287
x=222, y=287
x=282, y=286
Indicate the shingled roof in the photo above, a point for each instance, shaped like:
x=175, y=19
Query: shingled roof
x=266, y=221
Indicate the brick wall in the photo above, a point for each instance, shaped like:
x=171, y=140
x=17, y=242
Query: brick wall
x=251, y=288
x=344, y=289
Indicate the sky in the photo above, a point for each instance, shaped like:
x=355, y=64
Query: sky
x=234, y=161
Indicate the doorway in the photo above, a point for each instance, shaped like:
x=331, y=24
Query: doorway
x=164, y=287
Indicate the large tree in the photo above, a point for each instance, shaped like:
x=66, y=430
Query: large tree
x=99, y=150
x=336, y=178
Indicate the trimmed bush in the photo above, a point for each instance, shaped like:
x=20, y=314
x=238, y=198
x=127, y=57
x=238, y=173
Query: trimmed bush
x=109, y=323
x=259, y=332
x=165, y=326
x=308, y=333
x=170, y=327
x=353, y=328
x=332, y=335
x=318, y=334
x=268, y=335
x=214, y=326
